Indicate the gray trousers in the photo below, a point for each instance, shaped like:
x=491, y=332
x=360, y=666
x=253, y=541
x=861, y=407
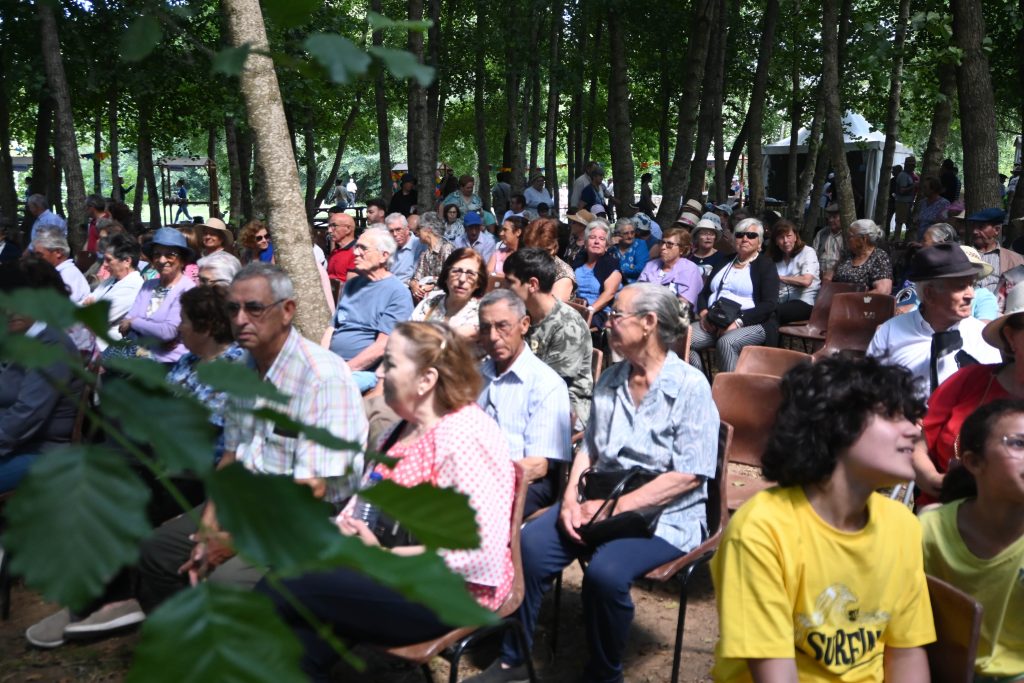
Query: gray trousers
x=167, y=549
x=728, y=345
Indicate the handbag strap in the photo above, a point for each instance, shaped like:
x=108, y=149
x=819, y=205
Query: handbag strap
x=613, y=497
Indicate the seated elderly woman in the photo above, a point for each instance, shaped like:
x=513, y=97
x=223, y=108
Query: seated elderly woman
x=673, y=270
x=865, y=264
x=543, y=233
x=121, y=259
x=597, y=272
x=37, y=405
x=631, y=252
x=797, y=265
x=737, y=305
x=432, y=258
x=651, y=411
x=457, y=301
x=444, y=439
x=219, y=268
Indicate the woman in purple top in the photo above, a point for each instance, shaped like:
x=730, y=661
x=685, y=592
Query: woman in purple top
x=673, y=269
x=156, y=314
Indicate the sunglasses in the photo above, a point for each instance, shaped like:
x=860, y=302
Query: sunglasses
x=747, y=235
x=253, y=309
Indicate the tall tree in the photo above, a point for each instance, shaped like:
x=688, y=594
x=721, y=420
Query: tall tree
x=346, y=130
x=211, y=154
x=97, y=153
x=114, y=141
x=757, y=97
x=479, y=112
x=711, y=100
x=423, y=162
x=620, y=130
x=942, y=116
x=833, y=113
x=892, y=116
x=383, y=120
x=551, y=129
x=9, y=204
x=234, y=169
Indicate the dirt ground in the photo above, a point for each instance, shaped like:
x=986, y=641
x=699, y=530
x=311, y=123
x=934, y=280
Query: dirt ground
x=648, y=658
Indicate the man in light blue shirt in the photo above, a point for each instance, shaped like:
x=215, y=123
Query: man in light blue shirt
x=407, y=247
x=40, y=208
x=528, y=399
x=476, y=237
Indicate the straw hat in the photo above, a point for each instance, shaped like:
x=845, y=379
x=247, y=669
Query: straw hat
x=993, y=332
x=221, y=227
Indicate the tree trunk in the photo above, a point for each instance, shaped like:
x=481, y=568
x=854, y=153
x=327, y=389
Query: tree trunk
x=736, y=151
x=140, y=175
x=332, y=176
x=696, y=58
x=834, y=115
x=97, y=151
x=262, y=94
x=534, y=135
x=245, y=154
x=115, y=153
x=551, y=128
x=796, y=112
x=756, y=135
x=435, y=94
x=620, y=132
x=722, y=178
x=234, y=169
x=977, y=108
x=892, y=117
x=423, y=165
x=665, y=97
x=309, y=147
x=817, y=189
x=147, y=173
x=383, y=122
x=211, y=154
x=479, y=113
x=710, y=101
x=57, y=177
x=9, y=203
x=591, y=106
x=808, y=175
x=942, y=115
x=65, y=125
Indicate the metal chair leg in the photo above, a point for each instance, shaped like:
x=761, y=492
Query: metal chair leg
x=677, y=655
x=557, y=608
x=517, y=628
x=427, y=676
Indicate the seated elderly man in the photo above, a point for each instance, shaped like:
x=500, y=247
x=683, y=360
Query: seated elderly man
x=558, y=335
x=939, y=337
x=371, y=304
x=476, y=237
x=52, y=246
x=527, y=399
x=261, y=304
x=38, y=206
x=407, y=247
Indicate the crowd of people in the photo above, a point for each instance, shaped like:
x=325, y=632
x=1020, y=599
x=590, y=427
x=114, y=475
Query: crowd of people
x=462, y=346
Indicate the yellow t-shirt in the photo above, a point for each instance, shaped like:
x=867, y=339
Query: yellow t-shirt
x=790, y=586
x=997, y=583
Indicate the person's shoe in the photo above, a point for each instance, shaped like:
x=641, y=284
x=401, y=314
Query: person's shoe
x=49, y=632
x=496, y=673
x=110, y=617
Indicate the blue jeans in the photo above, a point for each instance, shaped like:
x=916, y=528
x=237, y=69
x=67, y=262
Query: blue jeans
x=13, y=469
x=607, y=605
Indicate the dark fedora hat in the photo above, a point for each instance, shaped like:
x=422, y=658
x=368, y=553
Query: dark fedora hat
x=941, y=261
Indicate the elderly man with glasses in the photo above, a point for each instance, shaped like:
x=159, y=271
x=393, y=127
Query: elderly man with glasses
x=408, y=247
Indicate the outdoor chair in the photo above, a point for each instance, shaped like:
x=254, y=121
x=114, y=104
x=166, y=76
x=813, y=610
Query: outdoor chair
x=768, y=360
x=812, y=331
x=957, y=628
x=852, y=322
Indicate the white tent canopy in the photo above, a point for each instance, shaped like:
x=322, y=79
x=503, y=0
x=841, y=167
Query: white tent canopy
x=858, y=137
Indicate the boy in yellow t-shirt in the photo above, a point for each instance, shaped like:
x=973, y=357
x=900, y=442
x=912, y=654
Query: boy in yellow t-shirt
x=820, y=579
x=976, y=542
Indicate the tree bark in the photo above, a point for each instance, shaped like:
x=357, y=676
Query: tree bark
x=383, y=122
x=147, y=173
x=435, y=92
x=620, y=132
x=346, y=129
x=817, y=189
x=424, y=163
x=65, y=124
x=534, y=136
x=211, y=154
x=479, y=113
x=696, y=56
x=234, y=169
x=9, y=203
x=942, y=115
x=591, y=106
x=756, y=135
x=834, y=116
x=115, y=153
x=292, y=247
x=710, y=101
x=551, y=128
x=309, y=147
x=97, y=150
x=892, y=117
x=665, y=93
x=245, y=153
x=807, y=177
x=735, y=152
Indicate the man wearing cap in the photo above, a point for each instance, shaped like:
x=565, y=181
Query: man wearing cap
x=986, y=231
x=724, y=213
x=404, y=201
x=216, y=236
x=476, y=237
x=342, y=228
x=939, y=337
x=828, y=243
x=407, y=247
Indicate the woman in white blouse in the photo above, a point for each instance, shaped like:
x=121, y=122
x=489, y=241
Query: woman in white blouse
x=121, y=258
x=799, y=277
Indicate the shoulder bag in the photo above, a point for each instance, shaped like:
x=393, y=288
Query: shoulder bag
x=609, y=486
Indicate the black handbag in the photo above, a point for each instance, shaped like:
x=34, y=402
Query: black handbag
x=609, y=486
x=724, y=312
x=389, y=533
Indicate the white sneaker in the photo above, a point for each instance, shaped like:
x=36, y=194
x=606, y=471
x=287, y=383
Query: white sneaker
x=49, y=632
x=110, y=617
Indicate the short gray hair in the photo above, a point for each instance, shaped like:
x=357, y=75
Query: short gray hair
x=382, y=240
x=942, y=233
x=281, y=286
x=396, y=218
x=433, y=222
x=223, y=264
x=673, y=315
x=596, y=225
x=494, y=296
x=53, y=240
x=867, y=229
x=37, y=201
x=750, y=225
x=624, y=223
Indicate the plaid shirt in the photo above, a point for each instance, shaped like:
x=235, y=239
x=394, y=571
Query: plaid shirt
x=322, y=394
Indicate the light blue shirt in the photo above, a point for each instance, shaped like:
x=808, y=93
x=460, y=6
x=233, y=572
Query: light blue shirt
x=48, y=219
x=368, y=308
x=530, y=403
x=674, y=429
x=406, y=258
x=485, y=244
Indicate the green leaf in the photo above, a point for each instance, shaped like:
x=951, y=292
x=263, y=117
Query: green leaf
x=76, y=519
x=146, y=371
x=403, y=64
x=142, y=36
x=291, y=13
x=214, y=632
x=96, y=317
x=44, y=305
x=238, y=380
x=259, y=531
x=342, y=59
x=313, y=433
x=32, y=353
x=438, y=518
x=176, y=426
x=379, y=22
x=231, y=60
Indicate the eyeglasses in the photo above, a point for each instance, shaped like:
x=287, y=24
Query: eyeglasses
x=747, y=235
x=460, y=273
x=361, y=247
x=619, y=316
x=1014, y=444
x=207, y=281
x=262, y=238
x=253, y=309
x=671, y=244
x=169, y=255
x=504, y=327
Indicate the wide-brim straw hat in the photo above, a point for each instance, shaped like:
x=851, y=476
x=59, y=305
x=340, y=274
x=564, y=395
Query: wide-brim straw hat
x=582, y=216
x=993, y=332
x=221, y=227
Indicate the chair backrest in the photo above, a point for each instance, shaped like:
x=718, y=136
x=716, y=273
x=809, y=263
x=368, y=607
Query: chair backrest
x=768, y=360
x=682, y=345
x=957, y=628
x=749, y=402
x=515, y=597
x=852, y=321
x=596, y=364
x=495, y=281
x=823, y=302
x=582, y=310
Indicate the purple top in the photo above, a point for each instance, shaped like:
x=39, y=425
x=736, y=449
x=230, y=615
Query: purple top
x=684, y=278
x=163, y=324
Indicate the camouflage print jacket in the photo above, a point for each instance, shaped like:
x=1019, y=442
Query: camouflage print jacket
x=562, y=341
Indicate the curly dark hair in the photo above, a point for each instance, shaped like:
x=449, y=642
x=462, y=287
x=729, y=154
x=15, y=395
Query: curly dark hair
x=206, y=308
x=825, y=408
x=959, y=482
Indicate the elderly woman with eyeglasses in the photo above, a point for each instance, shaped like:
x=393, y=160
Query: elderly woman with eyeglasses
x=219, y=268
x=673, y=270
x=456, y=302
x=121, y=259
x=865, y=265
x=741, y=297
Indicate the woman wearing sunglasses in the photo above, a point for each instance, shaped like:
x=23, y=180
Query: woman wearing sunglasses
x=740, y=296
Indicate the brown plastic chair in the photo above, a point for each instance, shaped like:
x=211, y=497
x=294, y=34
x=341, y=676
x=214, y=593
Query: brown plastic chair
x=717, y=511
x=957, y=628
x=768, y=360
x=582, y=310
x=453, y=644
x=852, y=322
x=495, y=281
x=682, y=347
x=749, y=402
x=813, y=330
x=596, y=364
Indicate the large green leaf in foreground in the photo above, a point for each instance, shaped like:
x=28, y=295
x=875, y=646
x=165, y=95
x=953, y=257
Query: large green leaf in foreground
x=77, y=518
x=216, y=633
x=438, y=518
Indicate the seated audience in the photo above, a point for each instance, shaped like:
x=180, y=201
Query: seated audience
x=543, y=233
x=510, y=233
x=217, y=236
x=376, y=210
x=536, y=194
x=985, y=229
x=705, y=235
x=828, y=243
x=527, y=398
x=456, y=301
x=631, y=253
x=444, y=440
x=52, y=246
x=453, y=228
x=797, y=265
x=255, y=241
x=820, y=578
x=865, y=265
x=219, y=268
x=404, y=201
x=651, y=411
x=475, y=237
x=597, y=272
x=121, y=258
x=465, y=198
x=342, y=229
x=940, y=336
x=578, y=223
x=407, y=247
x=673, y=269
x=976, y=541
x=751, y=285
x=435, y=252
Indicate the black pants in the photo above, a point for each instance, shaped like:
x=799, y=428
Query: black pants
x=357, y=608
x=792, y=311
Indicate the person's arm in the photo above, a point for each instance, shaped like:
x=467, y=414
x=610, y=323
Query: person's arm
x=371, y=355
x=797, y=280
x=881, y=286
x=906, y=664
x=773, y=670
x=36, y=401
x=163, y=324
x=562, y=289
x=926, y=475
x=608, y=290
x=534, y=467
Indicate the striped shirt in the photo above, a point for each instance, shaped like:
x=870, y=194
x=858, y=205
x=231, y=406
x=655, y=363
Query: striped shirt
x=530, y=403
x=322, y=394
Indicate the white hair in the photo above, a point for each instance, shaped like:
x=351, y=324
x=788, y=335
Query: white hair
x=53, y=240
x=383, y=241
x=281, y=286
x=224, y=265
x=396, y=219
